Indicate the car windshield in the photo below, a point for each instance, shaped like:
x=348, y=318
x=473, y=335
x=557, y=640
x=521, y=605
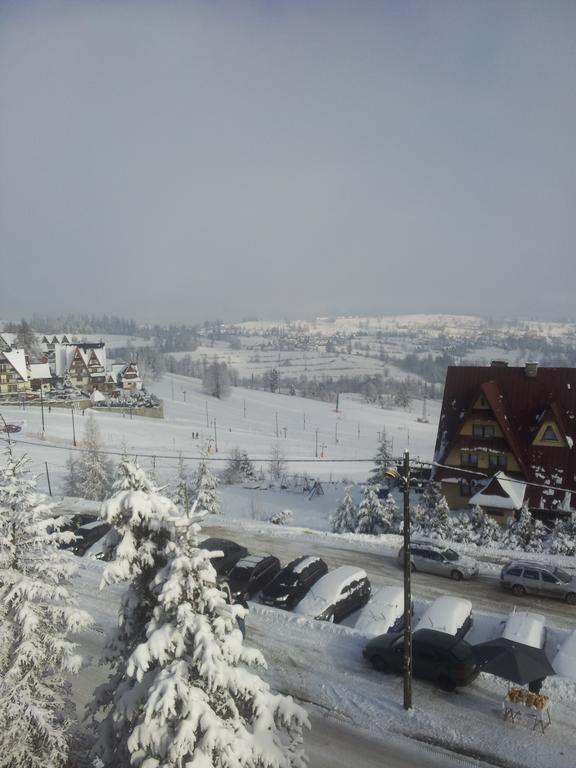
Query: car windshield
x=241, y=574
x=562, y=575
x=449, y=554
x=287, y=580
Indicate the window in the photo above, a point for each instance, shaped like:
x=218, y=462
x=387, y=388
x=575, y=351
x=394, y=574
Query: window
x=468, y=459
x=466, y=488
x=548, y=578
x=483, y=431
x=550, y=435
x=499, y=460
x=534, y=575
x=514, y=572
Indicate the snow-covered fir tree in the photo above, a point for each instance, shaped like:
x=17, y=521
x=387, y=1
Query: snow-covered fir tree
x=483, y=529
x=439, y=523
x=94, y=470
x=383, y=461
x=345, y=517
x=182, y=492
x=188, y=696
x=526, y=533
x=37, y=618
x=394, y=513
x=143, y=520
x=205, y=493
x=239, y=468
x=372, y=516
x=563, y=537
x=431, y=497
x=71, y=479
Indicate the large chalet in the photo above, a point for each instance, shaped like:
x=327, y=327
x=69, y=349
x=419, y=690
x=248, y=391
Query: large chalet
x=506, y=438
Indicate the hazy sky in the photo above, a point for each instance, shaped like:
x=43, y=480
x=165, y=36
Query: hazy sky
x=173, y=160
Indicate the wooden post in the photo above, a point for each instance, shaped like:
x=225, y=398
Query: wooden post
x=48, y=478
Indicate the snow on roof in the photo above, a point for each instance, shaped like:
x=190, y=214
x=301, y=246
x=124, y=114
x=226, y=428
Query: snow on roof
x=328, y=590
x=565, y=660
x=446, y=614
x=17, y=358
x=305, y=563
x=9, y=338
x=97, y=396
x=513, y=489
x=385, y=607
x=40, y=371
x=526, y=628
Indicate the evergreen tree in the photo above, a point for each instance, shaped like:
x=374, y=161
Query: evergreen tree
x=383, y=461
x=94, y=470
x=206, y=496
x=394, y=513
x=189, y=696
x=239, y=467
x=182, y=493
x=143, y=521
x=216, y=380
x=441, y=525
x=72, y=480
x=484, y=530
x=372, y=516
x=563, y=538
x=431, y=496
x=345, y=518
x=526, y=533
x=38, y=615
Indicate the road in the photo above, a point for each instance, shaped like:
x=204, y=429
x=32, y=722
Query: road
x=484, y=592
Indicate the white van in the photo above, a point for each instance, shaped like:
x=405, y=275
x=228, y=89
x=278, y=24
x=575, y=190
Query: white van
x=452, y=615
x=526, y=628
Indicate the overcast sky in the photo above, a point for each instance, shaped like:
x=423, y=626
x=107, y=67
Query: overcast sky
x=179, y=161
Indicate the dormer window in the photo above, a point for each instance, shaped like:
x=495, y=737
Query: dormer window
x=549, y=435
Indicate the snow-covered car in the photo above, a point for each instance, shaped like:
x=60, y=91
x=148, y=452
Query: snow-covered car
x=523, y=577
x=293, y=582
x=434, y=557
x=444, y=659
x=564, y=662
x=231, y=554
x=89, y=534
x=251, y=574
x=451, y=615
x=526, y=628
x=336, y=595
x=383, y=613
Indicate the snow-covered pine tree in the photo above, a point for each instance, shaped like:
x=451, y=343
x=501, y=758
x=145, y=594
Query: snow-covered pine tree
x=143, y=521
x=526, y=533
x=441, y=525
x=563, y=538
x=345, y=517
x=372, y=516
x=182, y=492
x=394, y=513
x=205, y=493
x=38, y=616
x=431, y=497
x=484, y=530
x=71, y=480
x=94, y=469
x=383, y=461
x=189, y=692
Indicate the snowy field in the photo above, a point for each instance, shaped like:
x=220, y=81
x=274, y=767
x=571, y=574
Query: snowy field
x=247, y=419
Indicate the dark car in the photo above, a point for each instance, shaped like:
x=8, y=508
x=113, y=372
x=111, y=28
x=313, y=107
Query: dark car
x=251, y=574
x=336, y=595
x=293, y=582
x=89, y=534
x=232, y=553
x=436, y=656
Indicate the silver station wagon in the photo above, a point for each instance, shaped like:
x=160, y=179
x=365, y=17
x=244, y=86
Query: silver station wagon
x=433, y=557
x=522, y=577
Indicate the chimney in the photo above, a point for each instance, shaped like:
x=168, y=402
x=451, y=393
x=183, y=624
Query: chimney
x=498, y=364
x=531, y=370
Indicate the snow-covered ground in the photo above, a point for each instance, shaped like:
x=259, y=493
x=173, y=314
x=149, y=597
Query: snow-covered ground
x=246, y=419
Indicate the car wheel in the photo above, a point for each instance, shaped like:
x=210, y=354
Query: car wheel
x=571, y=598
x=379, y=664
x=445, y=684
x=518, y=590
x=456, y=575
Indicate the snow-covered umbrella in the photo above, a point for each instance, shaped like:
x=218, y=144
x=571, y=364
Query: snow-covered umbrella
x=516, y=662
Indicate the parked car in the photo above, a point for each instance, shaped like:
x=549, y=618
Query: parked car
x=523, y=577
x=293, y=582
x=88, y=534
x=336, y=595
x=564, y=662
x=437, y=656
x=383, y=613
x=232, y=554
x=526, y=628
x=10, y=428
x=433, y=557
x=251, y=574
x=451, y=615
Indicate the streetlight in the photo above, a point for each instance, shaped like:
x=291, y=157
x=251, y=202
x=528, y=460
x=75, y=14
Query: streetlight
x=404, y=482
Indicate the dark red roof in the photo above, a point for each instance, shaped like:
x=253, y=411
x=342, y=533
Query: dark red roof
x=520, y=404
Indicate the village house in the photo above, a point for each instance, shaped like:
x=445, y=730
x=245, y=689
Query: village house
x=506, y=438
x=14, y=377
x=83, y=364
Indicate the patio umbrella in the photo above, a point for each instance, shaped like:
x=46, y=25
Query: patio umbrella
x=513, y=661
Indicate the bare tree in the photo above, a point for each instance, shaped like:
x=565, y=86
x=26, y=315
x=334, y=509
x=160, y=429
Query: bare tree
x=216, y=380
x=277, y=464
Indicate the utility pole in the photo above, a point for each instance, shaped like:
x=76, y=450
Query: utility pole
x=285, y=431
x=48, y=478
x=407, y=589
x=215, y=437
x=244, y=408
x=172, y=382
x=316, y=454
x=276, y=413
x=207, y=419
x=304, y=419
x=336, y=434
x=358, y=430
x=73, y=426
x=42, y=410
x=337, y=402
